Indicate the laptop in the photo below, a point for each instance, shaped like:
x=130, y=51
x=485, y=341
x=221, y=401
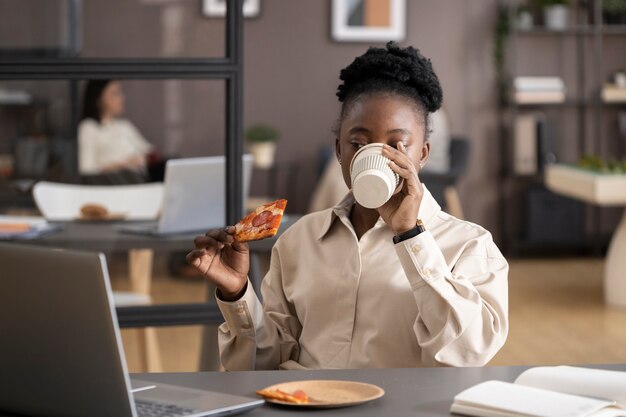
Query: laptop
x=61, y=352
x=194, y=196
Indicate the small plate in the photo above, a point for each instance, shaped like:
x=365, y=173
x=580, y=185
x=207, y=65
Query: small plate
x=113, y=217
x=329, y=393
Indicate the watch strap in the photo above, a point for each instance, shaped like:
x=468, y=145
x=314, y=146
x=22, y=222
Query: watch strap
x=419, y=228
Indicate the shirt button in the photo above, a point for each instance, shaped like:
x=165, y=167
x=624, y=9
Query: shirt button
x=416, y=248
x=426, y=272
x=240, y=310
x=245, y=326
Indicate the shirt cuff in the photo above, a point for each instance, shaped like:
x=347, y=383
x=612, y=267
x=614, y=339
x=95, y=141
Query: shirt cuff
x=237, y=314
x=421, y=259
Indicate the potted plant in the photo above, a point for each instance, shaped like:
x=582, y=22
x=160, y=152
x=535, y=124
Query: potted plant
x=555, y=13
x=614, y=12
x=524, y=17
x=262, y=140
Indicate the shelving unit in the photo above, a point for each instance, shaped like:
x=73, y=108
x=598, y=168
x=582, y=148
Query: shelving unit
x=228, y=68
x=581, y=114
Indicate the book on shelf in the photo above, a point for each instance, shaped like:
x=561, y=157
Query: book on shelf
x=537, y=90
x=525, y=145
x=611, y=93
x=555, y=391
x=538, y=84
x=14, y=97
x=539, y=97
x=533, y=145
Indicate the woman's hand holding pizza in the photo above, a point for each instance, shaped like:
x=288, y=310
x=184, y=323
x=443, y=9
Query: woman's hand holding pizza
x=222, y=260
x=222, y=255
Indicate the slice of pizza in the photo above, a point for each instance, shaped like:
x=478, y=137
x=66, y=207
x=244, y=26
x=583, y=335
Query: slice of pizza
x=297, y=397
x=261, y=223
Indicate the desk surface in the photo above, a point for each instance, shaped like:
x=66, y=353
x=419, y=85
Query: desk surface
x=425, y=392
x=592, y=187
x=107, y=236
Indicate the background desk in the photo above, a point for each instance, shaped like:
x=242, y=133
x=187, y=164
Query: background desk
x=107, y=237
x=603, y=190
x=424, y=392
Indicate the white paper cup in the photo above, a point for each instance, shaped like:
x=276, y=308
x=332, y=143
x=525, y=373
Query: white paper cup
x=373, y=182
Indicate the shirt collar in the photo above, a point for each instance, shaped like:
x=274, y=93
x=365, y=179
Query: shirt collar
x=428, y=209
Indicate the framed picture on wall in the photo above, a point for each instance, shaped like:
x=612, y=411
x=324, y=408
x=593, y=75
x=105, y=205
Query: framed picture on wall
x=217, y=8
x=368, y=20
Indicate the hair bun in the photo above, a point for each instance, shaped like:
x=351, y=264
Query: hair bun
x=397, y=67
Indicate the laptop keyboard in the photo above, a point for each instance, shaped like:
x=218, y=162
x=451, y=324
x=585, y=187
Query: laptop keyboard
x=151, y=409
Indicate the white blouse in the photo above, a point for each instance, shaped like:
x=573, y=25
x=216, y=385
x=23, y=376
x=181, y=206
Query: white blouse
x=112, y=142
x=334, y=301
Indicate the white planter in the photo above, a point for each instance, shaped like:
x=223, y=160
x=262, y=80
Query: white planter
x=556, y=17
x=263, y=153
x=524, y=21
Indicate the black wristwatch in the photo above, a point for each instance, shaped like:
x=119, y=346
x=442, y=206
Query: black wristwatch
x=419, y=228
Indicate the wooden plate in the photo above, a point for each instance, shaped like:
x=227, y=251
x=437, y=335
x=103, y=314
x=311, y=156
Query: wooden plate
x=329, y=393
x=112, y=217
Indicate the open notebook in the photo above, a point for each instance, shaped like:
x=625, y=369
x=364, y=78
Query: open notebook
x=557, y=391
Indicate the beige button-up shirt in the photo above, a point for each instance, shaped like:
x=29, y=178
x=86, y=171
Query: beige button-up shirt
x=334, y=301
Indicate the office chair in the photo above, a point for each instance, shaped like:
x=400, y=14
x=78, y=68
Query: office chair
x=443, y=186
x=62, y=202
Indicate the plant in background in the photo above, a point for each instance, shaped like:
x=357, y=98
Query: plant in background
x=261, y=133
x=596, y=163
x=502, y=32
x=555, y=13
x=262, y=139
x=614, y=11
x=524, y=17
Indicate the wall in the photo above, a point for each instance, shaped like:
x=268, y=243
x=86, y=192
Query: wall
x=291, y=75
x=294, y=64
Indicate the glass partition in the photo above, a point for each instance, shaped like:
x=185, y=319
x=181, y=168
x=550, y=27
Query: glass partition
x=110, y=29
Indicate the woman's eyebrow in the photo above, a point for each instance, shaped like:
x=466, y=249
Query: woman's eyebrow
x=359, y=129
x=403, y=131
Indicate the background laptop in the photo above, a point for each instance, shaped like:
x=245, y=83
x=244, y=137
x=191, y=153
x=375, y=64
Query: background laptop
x=60, y=347
x=194, y=196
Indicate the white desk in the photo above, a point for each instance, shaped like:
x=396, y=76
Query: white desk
x=603, y=190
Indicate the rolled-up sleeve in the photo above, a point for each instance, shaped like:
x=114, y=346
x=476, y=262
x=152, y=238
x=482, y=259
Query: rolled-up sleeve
x=463, y=308
x=254, y=337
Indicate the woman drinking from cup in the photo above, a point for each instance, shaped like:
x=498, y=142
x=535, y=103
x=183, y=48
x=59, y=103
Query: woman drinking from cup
x=384, y=278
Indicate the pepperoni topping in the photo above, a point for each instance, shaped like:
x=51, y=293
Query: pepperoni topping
x=262, y=218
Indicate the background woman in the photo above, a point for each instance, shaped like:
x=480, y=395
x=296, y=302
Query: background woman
x=107, y=143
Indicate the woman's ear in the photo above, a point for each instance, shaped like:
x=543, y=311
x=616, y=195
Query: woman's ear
x=424, y=154
x=337, y=150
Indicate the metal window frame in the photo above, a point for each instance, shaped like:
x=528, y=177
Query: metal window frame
x=229, y=68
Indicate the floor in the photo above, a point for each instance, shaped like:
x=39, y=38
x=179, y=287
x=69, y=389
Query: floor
x=557, y=316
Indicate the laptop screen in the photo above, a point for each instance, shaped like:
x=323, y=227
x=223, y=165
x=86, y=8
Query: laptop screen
x=195, y=193
x=61, y=350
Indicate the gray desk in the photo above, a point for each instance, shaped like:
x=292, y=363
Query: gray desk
x=424, y=392
x=107, y=237
x=420, y=392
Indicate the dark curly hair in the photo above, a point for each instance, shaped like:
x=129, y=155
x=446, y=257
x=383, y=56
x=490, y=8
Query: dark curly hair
x=91, y=99
x=395, y=70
